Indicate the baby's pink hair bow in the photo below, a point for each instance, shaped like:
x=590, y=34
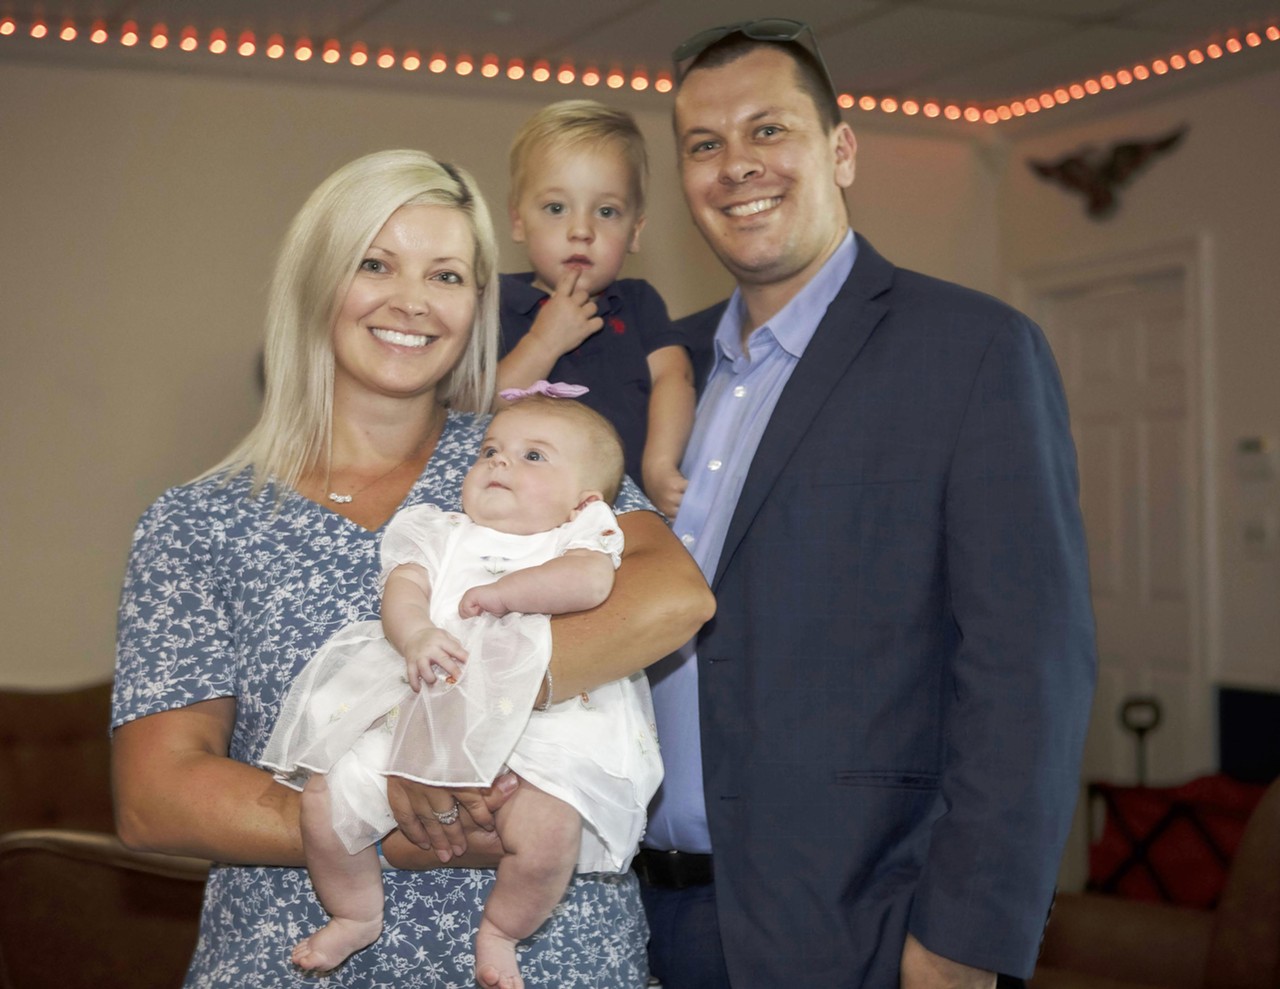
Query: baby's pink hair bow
x=552, y=389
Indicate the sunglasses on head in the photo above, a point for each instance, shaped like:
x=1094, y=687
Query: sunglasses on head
x=780, y=29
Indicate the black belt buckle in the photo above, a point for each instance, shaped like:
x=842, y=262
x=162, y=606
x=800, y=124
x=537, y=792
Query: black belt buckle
x=673, y=870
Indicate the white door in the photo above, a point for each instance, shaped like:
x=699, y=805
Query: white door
x=1128, y=349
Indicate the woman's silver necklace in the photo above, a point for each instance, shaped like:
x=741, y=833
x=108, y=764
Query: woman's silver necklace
x=346, y=499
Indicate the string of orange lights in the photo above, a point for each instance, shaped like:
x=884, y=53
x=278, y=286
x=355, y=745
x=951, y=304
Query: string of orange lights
x=246, y=44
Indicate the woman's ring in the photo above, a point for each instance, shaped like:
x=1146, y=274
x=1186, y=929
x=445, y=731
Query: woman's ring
x=449, y=816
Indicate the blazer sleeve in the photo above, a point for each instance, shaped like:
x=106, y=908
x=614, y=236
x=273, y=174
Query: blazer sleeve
x=1019, y=689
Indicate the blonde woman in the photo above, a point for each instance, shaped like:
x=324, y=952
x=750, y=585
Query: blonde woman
x=381, y=342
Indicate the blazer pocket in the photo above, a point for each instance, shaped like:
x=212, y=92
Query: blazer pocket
x=887, y=778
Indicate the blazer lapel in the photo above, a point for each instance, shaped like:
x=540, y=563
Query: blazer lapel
x=844, y=329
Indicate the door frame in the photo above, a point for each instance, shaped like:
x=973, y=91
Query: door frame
x=1191, y=257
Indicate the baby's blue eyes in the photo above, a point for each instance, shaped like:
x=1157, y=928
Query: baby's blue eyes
x=489, y=452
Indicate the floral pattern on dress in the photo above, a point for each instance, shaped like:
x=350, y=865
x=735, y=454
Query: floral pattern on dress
x=225, y=596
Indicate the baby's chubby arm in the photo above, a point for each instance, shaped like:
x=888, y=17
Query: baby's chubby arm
x=576, y=581
x=406, y=622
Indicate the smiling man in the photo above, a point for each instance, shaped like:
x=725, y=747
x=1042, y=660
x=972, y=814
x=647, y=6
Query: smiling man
x=872, y=750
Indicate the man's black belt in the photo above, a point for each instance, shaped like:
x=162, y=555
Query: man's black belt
x=672, y=870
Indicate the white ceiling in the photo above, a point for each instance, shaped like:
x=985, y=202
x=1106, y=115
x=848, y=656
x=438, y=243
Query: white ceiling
x=971, y=52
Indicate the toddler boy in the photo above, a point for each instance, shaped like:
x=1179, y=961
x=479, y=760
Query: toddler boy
x=578, y=175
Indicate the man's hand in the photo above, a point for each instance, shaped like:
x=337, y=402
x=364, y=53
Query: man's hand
x=567, y=318
x=922, y=969
x=417, y=809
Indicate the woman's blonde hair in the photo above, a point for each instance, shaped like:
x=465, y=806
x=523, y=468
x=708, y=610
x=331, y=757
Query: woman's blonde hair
x=318, y=260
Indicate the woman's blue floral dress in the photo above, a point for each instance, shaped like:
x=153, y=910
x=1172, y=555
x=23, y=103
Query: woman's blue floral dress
x=228, y=597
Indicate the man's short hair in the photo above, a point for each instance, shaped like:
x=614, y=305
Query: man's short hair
x=810, y=74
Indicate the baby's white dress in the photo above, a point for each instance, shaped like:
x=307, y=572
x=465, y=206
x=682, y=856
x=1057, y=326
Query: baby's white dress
x=351, y=714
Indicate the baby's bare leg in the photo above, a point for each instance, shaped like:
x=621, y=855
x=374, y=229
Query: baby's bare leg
x=349, y=886
x=541, y=834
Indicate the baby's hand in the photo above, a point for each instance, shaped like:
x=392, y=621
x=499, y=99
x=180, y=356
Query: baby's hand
x=429, y=649
x=665, y=486
x=481, y=600
x=567, y=317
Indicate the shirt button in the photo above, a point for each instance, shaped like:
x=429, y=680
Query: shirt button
x=714, y=465
x=687, y=539
x=739, y=391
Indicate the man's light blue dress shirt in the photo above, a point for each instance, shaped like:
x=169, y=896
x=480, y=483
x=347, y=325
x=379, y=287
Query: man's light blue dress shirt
x=741, y=392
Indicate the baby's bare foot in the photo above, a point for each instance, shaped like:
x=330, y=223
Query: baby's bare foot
x=330, y=946
x=496, y=966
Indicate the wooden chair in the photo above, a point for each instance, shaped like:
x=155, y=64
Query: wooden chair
x=55, y=759
x=78, y=910
x=1095, y=941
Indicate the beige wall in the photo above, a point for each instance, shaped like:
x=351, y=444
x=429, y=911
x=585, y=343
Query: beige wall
x=1217, y=192
x=139, y=214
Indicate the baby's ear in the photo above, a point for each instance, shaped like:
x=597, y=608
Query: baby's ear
x=634, y=246
x=517, y=225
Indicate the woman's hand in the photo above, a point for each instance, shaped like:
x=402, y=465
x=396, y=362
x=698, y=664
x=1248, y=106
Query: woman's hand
x=418, y=810
x=484, y=851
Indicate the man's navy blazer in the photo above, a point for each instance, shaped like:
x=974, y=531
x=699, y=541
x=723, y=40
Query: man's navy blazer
x=895, y=688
